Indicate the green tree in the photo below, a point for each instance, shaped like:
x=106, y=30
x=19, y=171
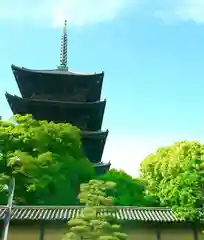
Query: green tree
x=90, y=224
x=174, y=174
x=46, y=160
x=128, y=191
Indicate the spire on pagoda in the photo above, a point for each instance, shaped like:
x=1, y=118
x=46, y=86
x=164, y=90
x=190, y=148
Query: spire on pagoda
x=63, y=48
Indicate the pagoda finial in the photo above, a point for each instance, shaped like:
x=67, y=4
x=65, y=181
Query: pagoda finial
x=63, y=48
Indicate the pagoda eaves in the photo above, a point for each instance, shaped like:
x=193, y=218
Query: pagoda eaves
x=93, y=147
x=102, y=168
x=58, y=84
x=86, y=116
x=95, y=134
x=57, y=71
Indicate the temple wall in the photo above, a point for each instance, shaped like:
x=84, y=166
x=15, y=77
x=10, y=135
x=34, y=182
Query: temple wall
x=200, y=235
x=53, y=232
x=177, y=234
x=24, y=233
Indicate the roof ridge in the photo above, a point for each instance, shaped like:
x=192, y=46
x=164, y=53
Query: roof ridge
x=81, y=206
x=101, y=101
x=56, y=70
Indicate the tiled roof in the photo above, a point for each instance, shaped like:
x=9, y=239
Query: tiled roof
x=66, y=212
x=54, y=71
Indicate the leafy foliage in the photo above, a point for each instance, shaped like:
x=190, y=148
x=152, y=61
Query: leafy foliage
x=46, y=160
x=129, y=191
x=90, y=224
x=175, y=175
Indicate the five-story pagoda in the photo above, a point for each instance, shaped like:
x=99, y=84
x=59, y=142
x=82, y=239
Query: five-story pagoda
x=64, y=97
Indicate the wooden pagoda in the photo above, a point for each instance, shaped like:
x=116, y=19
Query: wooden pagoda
x=63, y=96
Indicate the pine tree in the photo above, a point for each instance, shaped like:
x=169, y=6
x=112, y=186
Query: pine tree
x=92, y=223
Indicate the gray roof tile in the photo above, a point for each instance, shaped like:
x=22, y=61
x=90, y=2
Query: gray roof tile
x=63, y=213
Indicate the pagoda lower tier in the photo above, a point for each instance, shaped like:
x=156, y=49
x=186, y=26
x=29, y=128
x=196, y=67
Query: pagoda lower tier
x=93, y=144
x=93, y=141
x=101, y=168
x=58, y=84
x=86, y=116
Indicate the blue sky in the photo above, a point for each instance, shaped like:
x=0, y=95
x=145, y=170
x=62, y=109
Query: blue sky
x=152, y=53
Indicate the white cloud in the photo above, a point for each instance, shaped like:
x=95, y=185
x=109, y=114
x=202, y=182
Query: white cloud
x=180, y=10
x=85, y=12
x=54, y=12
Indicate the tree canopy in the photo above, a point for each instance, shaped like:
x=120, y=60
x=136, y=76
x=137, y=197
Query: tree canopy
x=175, y=175
x=46, y=160
x=128, y=191
x=48, y=163
x=90, y=224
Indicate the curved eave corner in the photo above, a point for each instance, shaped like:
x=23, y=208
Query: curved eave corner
x=103, y=104
x=11, y=96
x=102, y=167
x=102, y=164
x=102, y=109
x=10, y=101
x=8, y=96
x=93, y=134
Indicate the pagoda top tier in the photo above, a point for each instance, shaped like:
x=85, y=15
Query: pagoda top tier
x=58, y=84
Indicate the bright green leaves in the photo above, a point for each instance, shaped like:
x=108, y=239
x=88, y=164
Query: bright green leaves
x=175, y=176
x=46, y=159
x=128, y=190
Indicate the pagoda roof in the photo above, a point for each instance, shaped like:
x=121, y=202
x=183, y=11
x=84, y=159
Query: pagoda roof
x=94, y=134
x=102, y=164
x=55, y=71
x=58, y=83
x=102, y=168
x=84, y=104
x=94, y=146
x=87, y=113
